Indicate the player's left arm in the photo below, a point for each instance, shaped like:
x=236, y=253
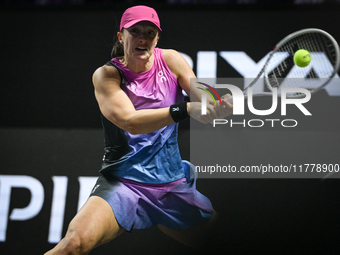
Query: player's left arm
x=186, y=77
x=184, y=74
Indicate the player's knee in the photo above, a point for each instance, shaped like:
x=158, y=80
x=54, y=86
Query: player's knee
x=76, y=243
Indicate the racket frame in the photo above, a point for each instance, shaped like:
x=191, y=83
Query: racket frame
x=278, y=47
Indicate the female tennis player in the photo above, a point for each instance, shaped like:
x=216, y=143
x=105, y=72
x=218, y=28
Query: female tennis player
x=143, y=181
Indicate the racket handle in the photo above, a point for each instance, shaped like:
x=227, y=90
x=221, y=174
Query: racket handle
x=254, y=95
x=232, y=101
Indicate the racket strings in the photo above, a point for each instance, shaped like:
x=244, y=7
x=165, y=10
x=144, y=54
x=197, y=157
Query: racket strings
x=281, y=70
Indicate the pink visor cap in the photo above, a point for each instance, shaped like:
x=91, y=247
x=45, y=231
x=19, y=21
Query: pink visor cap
x=137, y=14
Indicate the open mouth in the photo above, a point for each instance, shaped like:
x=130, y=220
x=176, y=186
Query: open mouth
x=141, y=49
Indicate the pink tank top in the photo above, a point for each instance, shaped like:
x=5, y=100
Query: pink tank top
x=153, y=157
x=155, y=88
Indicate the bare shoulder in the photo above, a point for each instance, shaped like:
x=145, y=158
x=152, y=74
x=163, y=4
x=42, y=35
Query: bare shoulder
x=105, y=74
x=175, y=61
x=171, y=56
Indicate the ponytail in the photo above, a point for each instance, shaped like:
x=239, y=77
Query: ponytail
x=118, y=49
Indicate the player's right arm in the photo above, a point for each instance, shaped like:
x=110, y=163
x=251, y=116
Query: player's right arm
x=116, y=106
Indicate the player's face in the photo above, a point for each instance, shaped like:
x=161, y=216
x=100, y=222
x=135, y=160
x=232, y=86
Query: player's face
x=140, y=40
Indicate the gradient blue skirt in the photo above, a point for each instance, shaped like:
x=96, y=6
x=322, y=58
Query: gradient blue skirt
x=136, y=205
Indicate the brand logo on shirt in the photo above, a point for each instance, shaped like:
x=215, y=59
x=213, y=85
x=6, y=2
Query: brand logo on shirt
x=161, y=75
x=131, y=86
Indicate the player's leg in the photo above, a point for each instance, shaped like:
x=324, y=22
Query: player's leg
x=198, y=237
x=94, y=224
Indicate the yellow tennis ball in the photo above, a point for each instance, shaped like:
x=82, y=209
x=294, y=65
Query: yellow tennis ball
x=302, y=58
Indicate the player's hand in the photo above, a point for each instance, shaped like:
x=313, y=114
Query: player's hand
x=225, y=109
x=194, y=110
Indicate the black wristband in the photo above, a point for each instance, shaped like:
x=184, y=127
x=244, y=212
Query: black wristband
x=179, y=111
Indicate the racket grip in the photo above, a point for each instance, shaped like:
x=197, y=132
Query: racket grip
x=232, y=101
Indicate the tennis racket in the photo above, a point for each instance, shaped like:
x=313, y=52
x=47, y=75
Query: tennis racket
x=280, y=71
